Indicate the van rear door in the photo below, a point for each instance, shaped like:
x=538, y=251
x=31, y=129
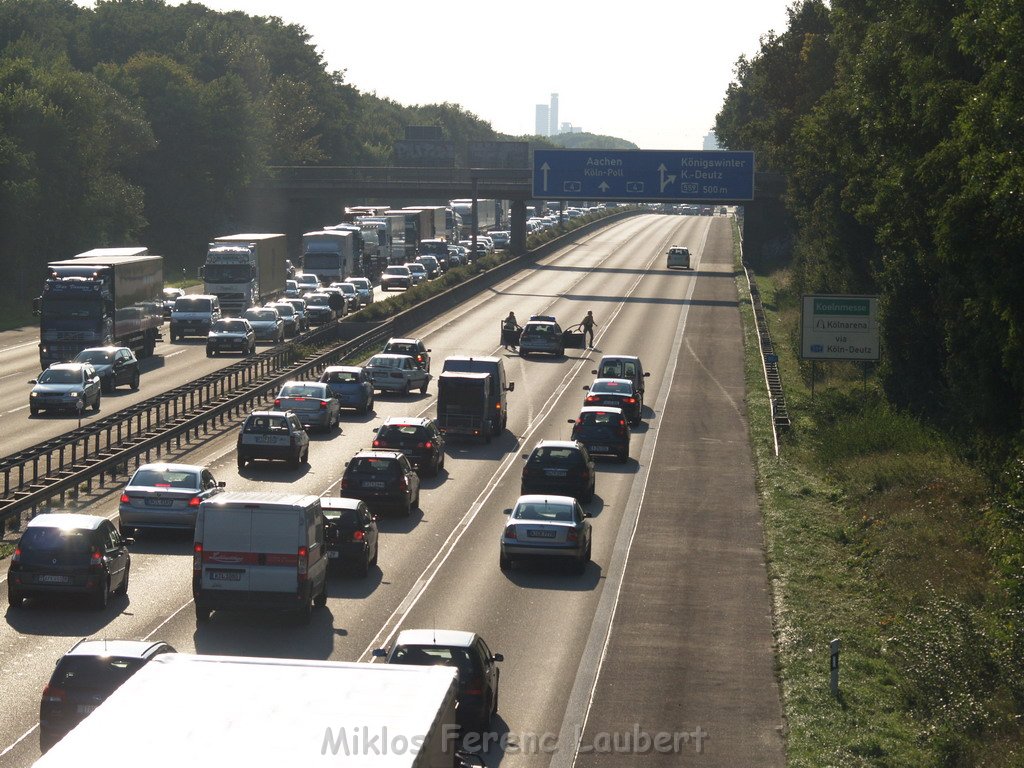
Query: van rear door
x=227, y=549
x=275, y=540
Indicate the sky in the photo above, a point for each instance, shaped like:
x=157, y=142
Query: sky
x=654, y=73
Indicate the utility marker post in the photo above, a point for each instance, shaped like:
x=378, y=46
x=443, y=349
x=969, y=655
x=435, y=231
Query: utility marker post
x=833, y=648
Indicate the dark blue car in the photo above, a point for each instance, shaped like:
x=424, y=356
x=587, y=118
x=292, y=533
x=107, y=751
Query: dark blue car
x=351, y=385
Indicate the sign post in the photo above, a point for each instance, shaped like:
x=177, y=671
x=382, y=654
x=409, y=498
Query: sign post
x=833, y=648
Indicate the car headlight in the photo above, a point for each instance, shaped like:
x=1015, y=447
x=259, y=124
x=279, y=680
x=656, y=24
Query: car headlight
x=74, y=393
x=33, y=394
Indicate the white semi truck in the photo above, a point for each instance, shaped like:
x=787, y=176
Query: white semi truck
x=215, y=711
x=245, y=270
x=330, y=254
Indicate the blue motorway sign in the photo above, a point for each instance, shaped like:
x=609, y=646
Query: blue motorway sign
x=643, y=175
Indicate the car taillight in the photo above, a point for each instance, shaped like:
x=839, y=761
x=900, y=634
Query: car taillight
x=572, y=536
x=125, y=498
x=344, y=483
x=403, y=484
x=510, y=532
x=197, y=556
x=419, y=358
x=592, y=398
x=277, y=402
x=323, y=405
x=631, y=400
x=475, y=686
x=53, y=695
x=376, y=443
x=303, y=563
x=16, y=557
x=194, y=501
x=358, y=536
x=498, y=406
x=428, y=445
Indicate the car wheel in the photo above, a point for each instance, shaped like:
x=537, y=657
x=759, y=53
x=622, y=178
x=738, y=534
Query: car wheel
x=14, y=597
x=407, y=388
x=126, y=531
x=241, y=463
x=321, y=599
x=295, y=461
x=623, y=456
x=210, y=353
x=363, y=567
x=305, y=456
x=135, y=380
x=305, y=614
x=102, y=596
x=423, y=389
x=376, y=554
x=202, y=614
x=96, y=405
x=123, y=589
x=504, y=563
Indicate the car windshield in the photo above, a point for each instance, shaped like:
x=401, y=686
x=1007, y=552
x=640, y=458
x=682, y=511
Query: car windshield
x=344, y=518
x=307, y=280
x=284, y=309
x=318, y=301
x=403, y=434
x=555, y=456
x=266, y=425
x=94, y=356
x=102, y=673
x=617, y=369
x=233, y=326
x=401, y=271
x=192, y=305
x=539, y=330
x=165, y=478
x=599, y=419
x=302, y=390
x=172, y=293
x=402, y=349
x=56, y=539
x=372, y=465
x=299, y=304
x=261, y=315
x=341, y=377
x=60, y=376
x=385, y=362
x=346, y=288
x=543, y=511
x=612, y=387
x=362, y=283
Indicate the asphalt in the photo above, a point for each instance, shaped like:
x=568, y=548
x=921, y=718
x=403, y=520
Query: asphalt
x=690, y=657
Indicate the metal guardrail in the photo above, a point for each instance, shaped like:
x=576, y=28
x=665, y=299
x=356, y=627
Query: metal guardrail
x=109, y=446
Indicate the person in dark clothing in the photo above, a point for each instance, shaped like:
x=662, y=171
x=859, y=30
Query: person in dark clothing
x=588, y=329
x=509, y=331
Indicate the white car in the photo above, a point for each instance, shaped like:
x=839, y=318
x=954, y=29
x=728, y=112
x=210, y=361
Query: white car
x=397, y=373
x=308, y=283
x=678, y=256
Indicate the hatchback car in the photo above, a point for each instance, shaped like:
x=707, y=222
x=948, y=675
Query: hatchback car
x=414, y=348
x=541, y=336
x=289, y=318
x=272, y=435
x=307, y=281
x=319, y=309
x=559, y=466
x=351, y=534
x=604, y=432
x=65, y=387
x=350, y=385
x=351, y=295
x=231, y=334
x=385, y=480
x=114, y=365
x=165, y=496
x=292, y=289
x=431, y=264
x=169, y=296
x=479, y=676
x=417, y=437
x=266, y=324
x=300, y=313
x=418, y=272
x=312, y=402
x=541, y=526
x=339, y=300
x=397, y=373
x=365, y=289
x=83, y=679
x=616, y=393
x=396, y=276
x=63, y=553
x=678, y=256
x=623, y=367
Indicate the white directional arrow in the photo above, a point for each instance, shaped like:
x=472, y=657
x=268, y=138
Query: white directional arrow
x=603, y=186
x=545, y=168
x=665, y=180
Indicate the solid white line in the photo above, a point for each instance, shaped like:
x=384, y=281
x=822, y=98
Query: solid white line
x=19, y=739
x=172, y=354
x=581, y=698
x=19, y=346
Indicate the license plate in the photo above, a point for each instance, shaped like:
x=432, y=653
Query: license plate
x=159, y=502
x=556, y=472
x=599, y=448
x=269, y=440
x=332, y=555
x=373, y=484
x=49, y=578
x=85, y=709
x=541, y=534
x=224, y=575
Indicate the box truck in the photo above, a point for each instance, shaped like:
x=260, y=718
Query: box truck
x=245, y=270
x=329, y=254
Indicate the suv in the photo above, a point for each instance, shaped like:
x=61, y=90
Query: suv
x=431, y=264
x=290, y=320
x=603, y=431
x=231, y=334
x=415, y=348
x=383, y=479
x=273, y=435
x=466, y=651
x=559, y=466
x=193, y=315
x=62, y=386
x=114, y=365
x=350, y=385
x=66, y=553
x=418, y=438
x=498, y=387
x=84, y=677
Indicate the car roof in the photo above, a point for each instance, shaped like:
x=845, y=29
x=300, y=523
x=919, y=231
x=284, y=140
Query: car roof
x=171, y=467
x=339, y=502
x=67, y=366
x=270, y=413
x=70, y=520
x=557, y=444
x=393, y=354
x=136, y=649
x=403, y=341
x=451, y=637
x=372, y=454
x=417, y=421
x=343, y=369
x=600, y=409
x=110, y=348
x=545, y=498
x=631, y=358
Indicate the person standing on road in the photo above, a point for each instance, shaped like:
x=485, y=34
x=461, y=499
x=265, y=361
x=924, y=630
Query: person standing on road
x=588, y=329
x=509, y=328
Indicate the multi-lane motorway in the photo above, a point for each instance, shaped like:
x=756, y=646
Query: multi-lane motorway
x=667, y=631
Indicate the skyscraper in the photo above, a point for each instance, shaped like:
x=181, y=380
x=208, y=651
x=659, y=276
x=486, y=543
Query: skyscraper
x=553, y=116
x=543, y=125
x=711, y=141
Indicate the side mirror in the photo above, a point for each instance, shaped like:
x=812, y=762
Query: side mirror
x=526, y=455
x=127, y=541
x=507, y=511
x=222, y=484
x=497, y=657
x=430, y=350
x=586, y=388
x=646, y=374
x=511, y=386
x=586, y=514
x=376, y=428
x=33, y=381
x=571, y=421
x=380, y=653
x=594, y=372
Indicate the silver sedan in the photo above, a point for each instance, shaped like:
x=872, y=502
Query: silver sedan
x=165, y=496
x=542, y=526
x=312, y=401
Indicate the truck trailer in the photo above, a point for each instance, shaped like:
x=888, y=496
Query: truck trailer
x=245, y=270
x=463, y=407
x=432, y=221
x=329, y=254
x=214, y=711
x=103, y=297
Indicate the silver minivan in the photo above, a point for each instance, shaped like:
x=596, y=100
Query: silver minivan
x=678, y=256
x=261, y=551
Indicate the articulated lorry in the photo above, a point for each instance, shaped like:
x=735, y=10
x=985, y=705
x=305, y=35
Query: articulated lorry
x=432, y=221
x=215, y=711
x=103, y=297
x=330, y=254
x=390, y=236
x=245, y=270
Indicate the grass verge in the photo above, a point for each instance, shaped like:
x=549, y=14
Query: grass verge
x=878, y=532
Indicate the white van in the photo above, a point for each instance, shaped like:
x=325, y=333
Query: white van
x=259, y=550
x=678, y=256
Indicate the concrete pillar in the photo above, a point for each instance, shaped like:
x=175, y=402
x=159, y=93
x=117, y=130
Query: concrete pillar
x=518, y=217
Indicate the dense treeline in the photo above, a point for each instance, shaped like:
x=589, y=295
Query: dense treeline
x=135, y=122
x=899, y=125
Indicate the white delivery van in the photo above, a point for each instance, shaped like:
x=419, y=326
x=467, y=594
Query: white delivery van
x=259, y=550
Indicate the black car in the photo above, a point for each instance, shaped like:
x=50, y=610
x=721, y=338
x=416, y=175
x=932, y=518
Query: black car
x=616, y=393
x=385, y=480
x=418, y=438
x=351, y=534
x=603, y=431
x=231, y=334
x=84, y=677
x=65, y=553
x=561, y=467
x=114, y=366
x=319, y=308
